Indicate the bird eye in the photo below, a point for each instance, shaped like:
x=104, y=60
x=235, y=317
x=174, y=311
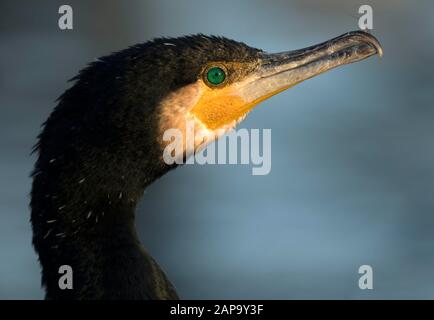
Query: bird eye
x=215, y=75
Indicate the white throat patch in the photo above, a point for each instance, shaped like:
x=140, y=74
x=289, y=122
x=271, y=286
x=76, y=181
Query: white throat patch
x=175, y=114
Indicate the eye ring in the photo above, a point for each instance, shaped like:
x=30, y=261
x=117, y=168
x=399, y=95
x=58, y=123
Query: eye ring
x=215, y=75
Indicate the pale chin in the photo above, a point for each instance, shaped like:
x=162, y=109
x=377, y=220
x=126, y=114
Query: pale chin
x=204, y=136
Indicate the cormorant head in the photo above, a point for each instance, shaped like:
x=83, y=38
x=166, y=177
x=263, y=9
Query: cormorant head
x=218, y=81
x=107, y=130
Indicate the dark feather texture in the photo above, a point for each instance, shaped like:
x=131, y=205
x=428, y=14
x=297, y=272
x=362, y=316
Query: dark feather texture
x=97, y=153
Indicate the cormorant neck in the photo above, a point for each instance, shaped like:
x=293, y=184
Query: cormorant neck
x=88, y=223
x=98, y=151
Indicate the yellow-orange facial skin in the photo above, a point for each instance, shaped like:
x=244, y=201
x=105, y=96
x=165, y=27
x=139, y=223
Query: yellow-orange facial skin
x=247, y=84
x=223, y=104
x=218, y=107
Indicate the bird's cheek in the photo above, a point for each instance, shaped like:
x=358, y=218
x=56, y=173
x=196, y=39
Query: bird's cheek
x=218, y=110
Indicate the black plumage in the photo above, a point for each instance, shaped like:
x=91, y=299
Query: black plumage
x=97, y=153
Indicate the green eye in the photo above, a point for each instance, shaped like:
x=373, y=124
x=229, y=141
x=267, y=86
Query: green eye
x=216, y=75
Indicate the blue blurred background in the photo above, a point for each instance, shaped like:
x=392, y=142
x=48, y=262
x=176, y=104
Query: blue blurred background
x=352, y=176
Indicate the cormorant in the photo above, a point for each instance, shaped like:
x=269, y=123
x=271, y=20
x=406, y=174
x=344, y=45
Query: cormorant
x=102, y=146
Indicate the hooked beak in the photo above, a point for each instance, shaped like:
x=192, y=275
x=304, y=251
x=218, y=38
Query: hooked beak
x=277, y=72
x=280, y=71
